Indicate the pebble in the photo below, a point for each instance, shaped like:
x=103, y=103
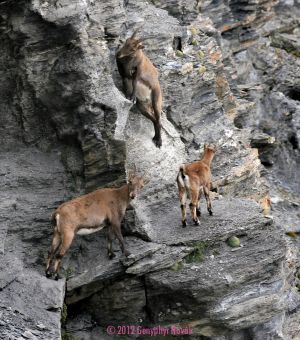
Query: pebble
x=276, y=199
x=28, y=335
x=40, y=326
x=35, y=332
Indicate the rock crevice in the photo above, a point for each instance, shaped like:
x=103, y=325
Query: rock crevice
x=229, y=73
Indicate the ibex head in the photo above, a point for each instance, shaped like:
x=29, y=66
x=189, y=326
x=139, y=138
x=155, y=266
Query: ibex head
x=210, y=148
x=135, y=183
x=131, y=46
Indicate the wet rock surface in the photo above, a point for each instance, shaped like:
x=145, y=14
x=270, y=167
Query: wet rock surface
x=229, y=73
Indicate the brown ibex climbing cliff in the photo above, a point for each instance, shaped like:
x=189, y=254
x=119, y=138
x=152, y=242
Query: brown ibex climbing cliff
x=193, y=177
x=140, y=82
x=89, y=213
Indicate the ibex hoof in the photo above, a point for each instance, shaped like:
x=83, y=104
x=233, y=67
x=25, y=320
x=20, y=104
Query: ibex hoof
x=111, y=255
x=48, y=274
x=133, y=99
x=210, y=212
x=56, y=277
x=183, y=224
x=157, y=142
x=196, y=222
x=127, y=253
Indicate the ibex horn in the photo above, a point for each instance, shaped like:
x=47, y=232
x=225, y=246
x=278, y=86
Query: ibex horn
x=136, y=31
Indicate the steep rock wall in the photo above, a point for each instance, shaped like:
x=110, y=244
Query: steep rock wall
x=67, y=128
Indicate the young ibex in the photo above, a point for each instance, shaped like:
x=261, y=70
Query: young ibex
x=191, y=178
x=89, y=213
x=140, y=82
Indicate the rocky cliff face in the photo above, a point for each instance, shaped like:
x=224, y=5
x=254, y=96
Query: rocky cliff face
x=229, y=72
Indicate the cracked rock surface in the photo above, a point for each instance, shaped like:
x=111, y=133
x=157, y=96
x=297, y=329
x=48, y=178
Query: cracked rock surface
x=229, y=72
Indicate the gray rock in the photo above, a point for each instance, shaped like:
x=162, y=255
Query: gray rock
x=230, y=74
x=165, y=257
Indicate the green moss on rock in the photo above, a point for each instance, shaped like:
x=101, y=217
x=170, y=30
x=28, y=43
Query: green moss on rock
x=64, y=314
x=201, y=69
x=201, y=54
x=177, y=266
x=233, y=242
x=179, y=54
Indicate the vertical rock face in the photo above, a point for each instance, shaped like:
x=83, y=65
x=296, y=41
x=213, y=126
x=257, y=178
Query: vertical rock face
x=229, y=72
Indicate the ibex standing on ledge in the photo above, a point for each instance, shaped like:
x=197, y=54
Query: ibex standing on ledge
x=191, y=178
x=89, y=213
x=140, y=82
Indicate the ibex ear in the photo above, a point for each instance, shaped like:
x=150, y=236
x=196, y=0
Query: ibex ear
x=130, y=176
x=132, y=173
x=140, y=46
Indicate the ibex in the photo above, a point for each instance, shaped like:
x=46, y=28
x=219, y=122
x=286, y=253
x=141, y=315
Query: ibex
x=89, y=213
x=140, y=82
x=191, y=178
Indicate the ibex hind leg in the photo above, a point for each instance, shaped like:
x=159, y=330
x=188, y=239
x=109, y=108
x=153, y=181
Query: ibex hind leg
x=110, y=236
x=182, y=200
x=56, y=242
x=193, y=206
x=66, y=243
x=208, y=201
x=148, y=114
x=157, y=108
x=198, y=210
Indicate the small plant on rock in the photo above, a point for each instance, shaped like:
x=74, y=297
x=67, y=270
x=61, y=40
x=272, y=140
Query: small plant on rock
x=177, y=266
x=64, y=314
x=197, y=255
x=233, y=242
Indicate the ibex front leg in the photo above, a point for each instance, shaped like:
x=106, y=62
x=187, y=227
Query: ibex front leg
x=117, y=230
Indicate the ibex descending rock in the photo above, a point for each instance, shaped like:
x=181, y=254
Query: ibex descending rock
x=191, y=178
x=140, y=82
x=89, y=213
